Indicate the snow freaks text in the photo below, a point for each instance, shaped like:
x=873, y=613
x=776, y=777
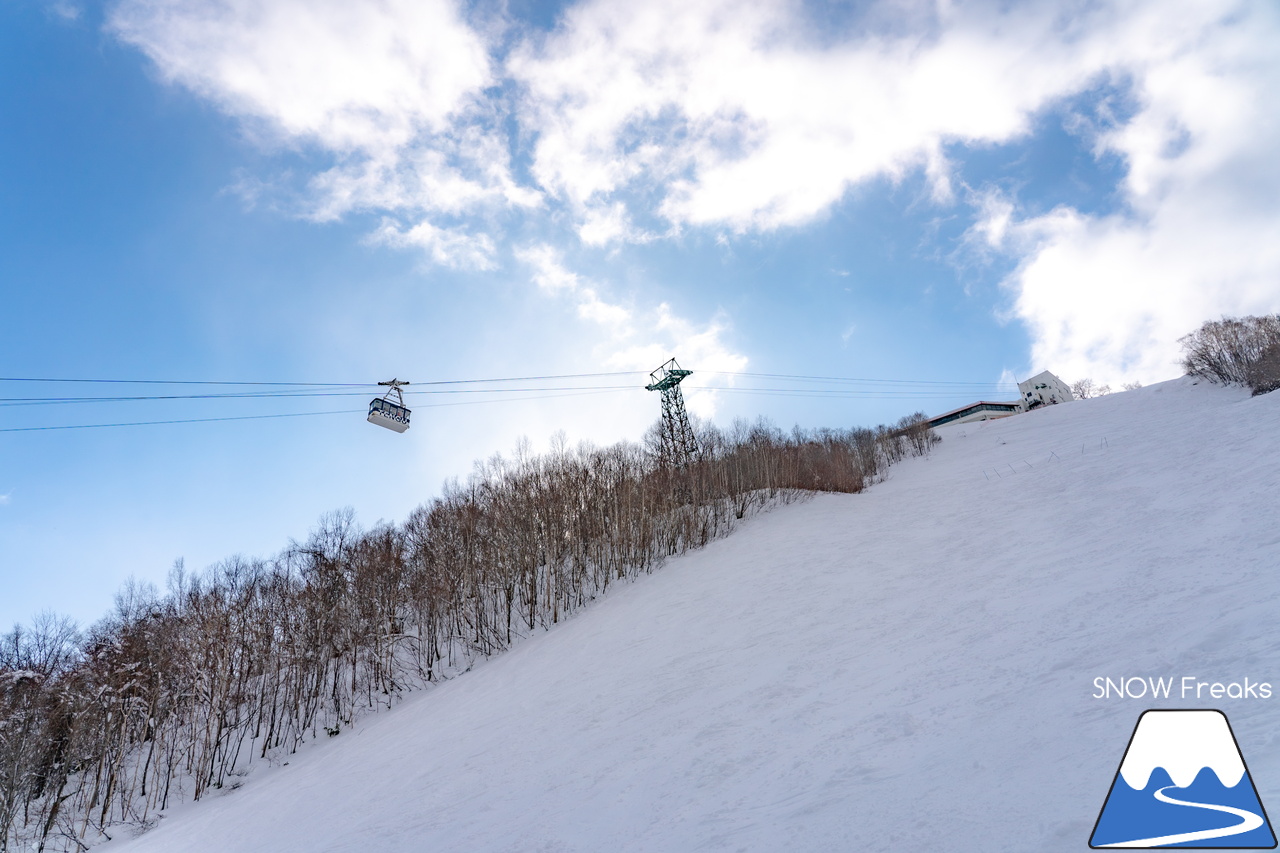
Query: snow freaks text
x=1186, y=687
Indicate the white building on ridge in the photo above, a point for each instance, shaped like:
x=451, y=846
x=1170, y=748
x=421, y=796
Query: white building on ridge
x=1044, y=389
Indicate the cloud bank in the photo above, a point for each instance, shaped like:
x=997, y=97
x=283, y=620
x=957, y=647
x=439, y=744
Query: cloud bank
x=629, y=123
x=1198, y=235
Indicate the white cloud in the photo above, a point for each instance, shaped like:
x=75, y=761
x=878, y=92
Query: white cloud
x=732, y=114
x=640, y=340
x=6, y=499
x=554, y=279
x=350, y=76
x=393, y=90
x=607, y=224
x=664, y=335
x=742, y=118
x=592, y=307
x=449, y=247
x=453, y=174
x=549, y=273
x=1199, y=233
x=68, y=12
x=751, y=116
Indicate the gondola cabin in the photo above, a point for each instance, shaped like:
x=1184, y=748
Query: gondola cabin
x=384, y=413
x=387, y=414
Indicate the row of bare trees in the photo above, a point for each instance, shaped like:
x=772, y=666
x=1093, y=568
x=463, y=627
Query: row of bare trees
x=178, y=693
x=1236, y=351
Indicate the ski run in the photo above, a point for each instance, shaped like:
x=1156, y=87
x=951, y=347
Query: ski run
x=907, y=669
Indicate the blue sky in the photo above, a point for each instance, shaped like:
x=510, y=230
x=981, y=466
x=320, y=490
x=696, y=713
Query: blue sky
x=335, y=193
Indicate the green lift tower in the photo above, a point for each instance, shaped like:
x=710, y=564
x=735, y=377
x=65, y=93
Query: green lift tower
x=679, y=445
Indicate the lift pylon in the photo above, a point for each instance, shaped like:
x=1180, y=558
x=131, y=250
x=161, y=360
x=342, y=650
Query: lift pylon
x=679, y=445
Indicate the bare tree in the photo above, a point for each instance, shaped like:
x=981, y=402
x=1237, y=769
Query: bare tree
x=1225, y=350
x=1263, y=374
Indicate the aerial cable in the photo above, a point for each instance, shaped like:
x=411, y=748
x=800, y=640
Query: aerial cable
x=266, y=395
x=186, y=421
x=871, y=389
x=187, y=382
x=574, y=393
x=792, y=376
x=253, y=395
x=878, y=392
x=852, y=393
x=323, y=384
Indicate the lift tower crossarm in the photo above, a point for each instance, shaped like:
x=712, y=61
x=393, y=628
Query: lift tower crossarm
x=667, y=376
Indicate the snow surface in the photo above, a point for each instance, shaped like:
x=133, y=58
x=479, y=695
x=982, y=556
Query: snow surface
x=1183, y=743
x=908, y=669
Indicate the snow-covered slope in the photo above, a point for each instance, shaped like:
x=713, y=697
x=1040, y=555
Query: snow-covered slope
x=907, y=669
